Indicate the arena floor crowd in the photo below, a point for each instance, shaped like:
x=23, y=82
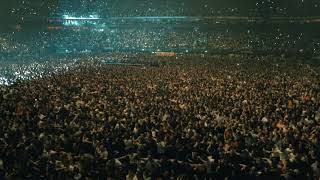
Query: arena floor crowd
x=194, y=118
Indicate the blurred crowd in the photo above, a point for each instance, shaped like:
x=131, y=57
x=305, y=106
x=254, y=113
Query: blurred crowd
x=186, y=38
x=191, y=117
x=12, y=71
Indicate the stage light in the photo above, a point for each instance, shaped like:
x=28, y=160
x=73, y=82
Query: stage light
x=90, y=17
x=79, y=21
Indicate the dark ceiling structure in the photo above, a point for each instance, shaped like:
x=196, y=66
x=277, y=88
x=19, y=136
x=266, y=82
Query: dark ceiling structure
x=166, y=7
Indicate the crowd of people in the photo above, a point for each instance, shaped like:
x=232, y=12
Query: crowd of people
x=191, y=117
x=12, y=71
x=175, y=37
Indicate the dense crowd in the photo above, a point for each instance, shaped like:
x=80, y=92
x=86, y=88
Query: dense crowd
x=191, y=118
x=177, y=37
x=12, y=71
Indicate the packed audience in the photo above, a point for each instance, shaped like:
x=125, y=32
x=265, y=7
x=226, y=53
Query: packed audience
x=12, y=71
x=192, y=117
x=177, y=37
